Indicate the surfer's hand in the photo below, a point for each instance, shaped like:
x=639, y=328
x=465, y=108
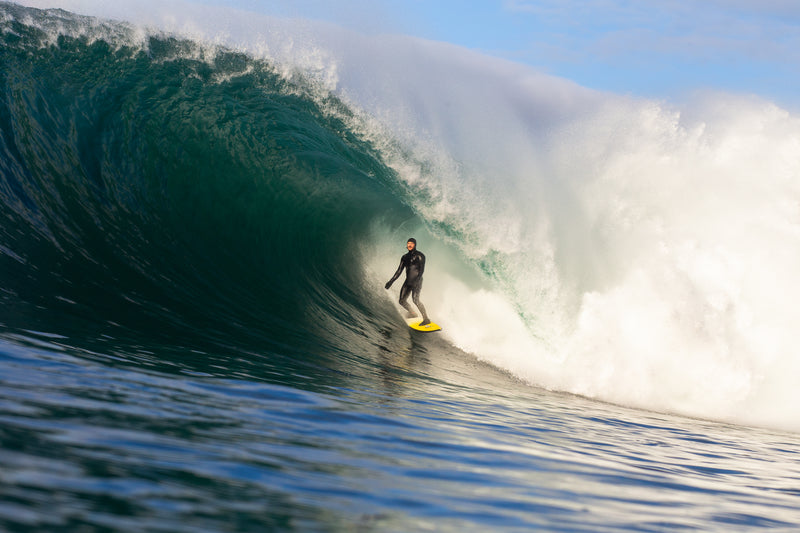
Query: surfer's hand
x=388, y=284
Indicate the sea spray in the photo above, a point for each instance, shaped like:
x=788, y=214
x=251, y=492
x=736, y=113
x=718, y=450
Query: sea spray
x=647, y=249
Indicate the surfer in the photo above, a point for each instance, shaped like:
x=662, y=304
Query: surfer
x=414, y=263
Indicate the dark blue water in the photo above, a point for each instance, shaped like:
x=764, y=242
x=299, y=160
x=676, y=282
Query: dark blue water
x=429, y=441
x=189, y=340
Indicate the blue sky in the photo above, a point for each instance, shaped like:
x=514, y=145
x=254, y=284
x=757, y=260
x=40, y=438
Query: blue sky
x=653, y=48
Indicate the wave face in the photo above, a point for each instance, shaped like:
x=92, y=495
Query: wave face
x=168, y=189
x=153, y=189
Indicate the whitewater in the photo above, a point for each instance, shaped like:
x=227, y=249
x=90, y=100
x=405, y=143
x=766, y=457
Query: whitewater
x=183, y=339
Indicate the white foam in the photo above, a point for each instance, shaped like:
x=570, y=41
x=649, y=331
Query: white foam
x=640, y=253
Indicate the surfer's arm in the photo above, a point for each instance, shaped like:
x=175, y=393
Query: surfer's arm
x=396, y=274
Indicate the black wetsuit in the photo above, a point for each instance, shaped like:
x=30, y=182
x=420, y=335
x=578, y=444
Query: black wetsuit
x=414, y=264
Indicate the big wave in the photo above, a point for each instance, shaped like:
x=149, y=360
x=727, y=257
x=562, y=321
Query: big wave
x=632, y=251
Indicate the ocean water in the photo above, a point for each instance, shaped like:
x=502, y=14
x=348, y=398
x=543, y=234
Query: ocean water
x=200, y=209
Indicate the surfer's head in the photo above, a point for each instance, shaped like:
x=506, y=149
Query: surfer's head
x=411, y=244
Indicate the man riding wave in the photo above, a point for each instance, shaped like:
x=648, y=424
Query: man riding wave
x=414, y=264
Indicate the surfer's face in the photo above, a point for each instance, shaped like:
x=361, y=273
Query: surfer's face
x=410, y=245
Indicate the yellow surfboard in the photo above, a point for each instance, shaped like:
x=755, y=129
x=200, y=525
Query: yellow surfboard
x=414, y=323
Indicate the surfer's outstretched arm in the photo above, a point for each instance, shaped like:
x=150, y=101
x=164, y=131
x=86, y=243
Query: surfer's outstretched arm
x=396, y=274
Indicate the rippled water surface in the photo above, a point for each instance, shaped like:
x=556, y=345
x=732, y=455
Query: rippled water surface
x=195, y=334
x=97, y=445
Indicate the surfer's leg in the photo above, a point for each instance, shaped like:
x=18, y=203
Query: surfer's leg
x=405, y=290
x=415, y=297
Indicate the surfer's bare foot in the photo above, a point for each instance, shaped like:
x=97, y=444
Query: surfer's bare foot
x=411, y=315
x=425, y=322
